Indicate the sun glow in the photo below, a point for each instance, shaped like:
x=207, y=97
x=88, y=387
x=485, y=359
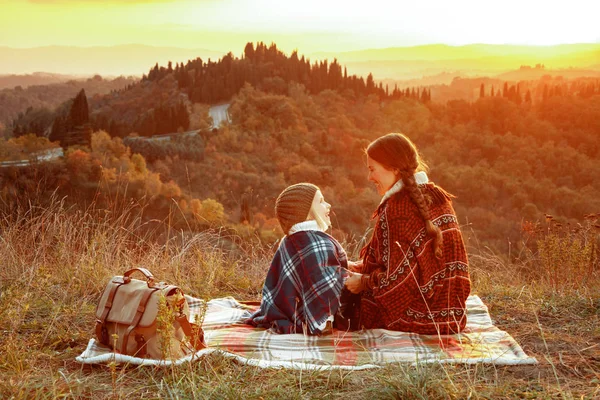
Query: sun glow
x=313, y=25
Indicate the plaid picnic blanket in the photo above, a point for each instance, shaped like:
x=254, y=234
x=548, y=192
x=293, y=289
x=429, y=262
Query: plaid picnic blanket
x=481, y=342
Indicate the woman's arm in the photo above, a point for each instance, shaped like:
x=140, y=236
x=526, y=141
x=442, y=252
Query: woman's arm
x=384, y=254
x=356, y=266
x=357, y=281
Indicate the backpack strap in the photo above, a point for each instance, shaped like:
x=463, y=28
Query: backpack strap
x=138, y=316
x=194, y=332
x=101, y=332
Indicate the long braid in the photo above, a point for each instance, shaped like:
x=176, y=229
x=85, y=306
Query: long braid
x=419, y=200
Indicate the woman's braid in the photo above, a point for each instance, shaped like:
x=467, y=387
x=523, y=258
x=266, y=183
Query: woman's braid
x=419, y=200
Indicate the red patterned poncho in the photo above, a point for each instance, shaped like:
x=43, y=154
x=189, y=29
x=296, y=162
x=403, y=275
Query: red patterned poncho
x=412, y=290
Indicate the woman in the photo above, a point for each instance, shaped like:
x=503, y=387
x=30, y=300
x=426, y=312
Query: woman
x=304, y=283
x=414, y=274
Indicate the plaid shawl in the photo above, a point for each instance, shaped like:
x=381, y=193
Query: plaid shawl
x=303, y=285
x=413, y=291
x=226, y=334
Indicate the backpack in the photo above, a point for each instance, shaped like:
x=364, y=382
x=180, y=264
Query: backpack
x=146, y=318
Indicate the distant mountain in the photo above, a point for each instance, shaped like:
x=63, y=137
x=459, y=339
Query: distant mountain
x=392, y=63
x=405, y=63
x=131, y=59
x=14, y=101
x=433, y=52
x=37, y=78
x=525, y=73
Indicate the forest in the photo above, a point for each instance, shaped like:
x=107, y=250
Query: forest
x=41, y=100
x=512, y=152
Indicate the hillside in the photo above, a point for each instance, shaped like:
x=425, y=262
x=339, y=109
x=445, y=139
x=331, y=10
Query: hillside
x=406, y=63
x=484, y=66
x=533, y=73
x=530, y=149
x=36, y=78
x=49, y=96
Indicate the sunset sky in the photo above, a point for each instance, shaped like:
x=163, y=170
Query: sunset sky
x=309, y=25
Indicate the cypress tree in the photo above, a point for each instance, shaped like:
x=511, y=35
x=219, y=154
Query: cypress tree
x=79, y=113
x=370, y=83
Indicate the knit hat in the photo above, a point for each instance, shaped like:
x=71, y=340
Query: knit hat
x=293, y=204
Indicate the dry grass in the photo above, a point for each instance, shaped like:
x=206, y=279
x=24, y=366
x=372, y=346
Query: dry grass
x=55, y=262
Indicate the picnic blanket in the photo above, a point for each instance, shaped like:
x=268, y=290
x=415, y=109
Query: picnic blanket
x=481, y=342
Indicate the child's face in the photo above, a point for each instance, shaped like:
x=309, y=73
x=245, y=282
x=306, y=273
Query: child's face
x=320, y=210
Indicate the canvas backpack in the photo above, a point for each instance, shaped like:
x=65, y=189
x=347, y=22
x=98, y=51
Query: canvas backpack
x=144, y=318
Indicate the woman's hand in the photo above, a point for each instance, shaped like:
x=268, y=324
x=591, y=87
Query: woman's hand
x=354, y=283
x=355, y=266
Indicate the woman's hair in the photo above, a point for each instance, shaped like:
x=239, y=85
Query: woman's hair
x=395, y=151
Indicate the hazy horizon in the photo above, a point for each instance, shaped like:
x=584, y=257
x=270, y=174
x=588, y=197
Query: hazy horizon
x=408, y=62
x=224, y=51
x=112, y=37
x=313, y=26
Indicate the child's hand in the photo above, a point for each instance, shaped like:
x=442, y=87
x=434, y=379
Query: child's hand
x=355, y=283
x=355, y=266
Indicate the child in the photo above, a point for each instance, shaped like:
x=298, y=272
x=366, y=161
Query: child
x=302, y=289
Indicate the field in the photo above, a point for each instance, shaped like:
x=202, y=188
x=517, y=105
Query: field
x=55, y=262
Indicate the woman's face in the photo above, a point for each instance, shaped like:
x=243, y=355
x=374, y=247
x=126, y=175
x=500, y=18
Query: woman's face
x=320, y=210
x=383, y=178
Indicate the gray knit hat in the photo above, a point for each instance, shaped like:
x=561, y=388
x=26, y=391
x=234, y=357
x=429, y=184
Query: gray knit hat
x=293, y=204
